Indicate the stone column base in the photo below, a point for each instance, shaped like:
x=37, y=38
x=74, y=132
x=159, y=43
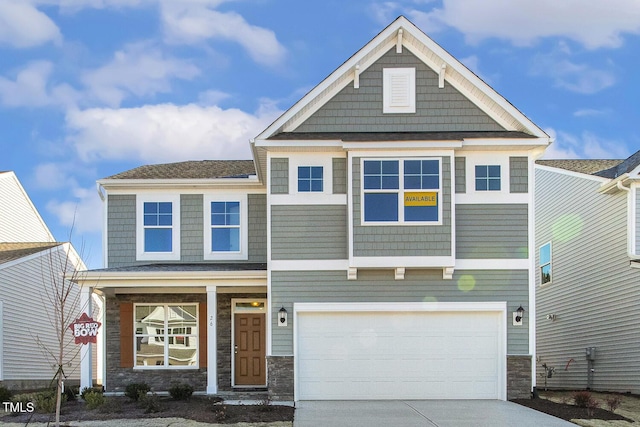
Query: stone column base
x=519, y=382
x=280, y=374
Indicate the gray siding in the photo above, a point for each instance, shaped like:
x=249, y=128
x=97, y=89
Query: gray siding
x=309, y=232
x=288, y=287
x=594, y=292
x=279, y=176
x=403, y=240
x=637, y=248
x=461, y=174
x=492, y=231
x=519, y=174
x=191, y=227
x=339, y=167
x=121, y=223
x=360, y=110
x=121, y=229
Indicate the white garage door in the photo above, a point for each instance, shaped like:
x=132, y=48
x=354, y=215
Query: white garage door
x=400, y=355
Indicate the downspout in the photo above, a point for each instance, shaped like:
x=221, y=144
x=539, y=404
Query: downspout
x=630, y=221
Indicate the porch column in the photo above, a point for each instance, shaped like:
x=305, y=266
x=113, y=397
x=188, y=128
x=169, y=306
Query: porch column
x=212, y=365
x=86, y=351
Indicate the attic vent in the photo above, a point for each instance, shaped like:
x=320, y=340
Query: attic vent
x=399, y=91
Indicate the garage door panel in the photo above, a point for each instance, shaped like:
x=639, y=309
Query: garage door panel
x=407, y=355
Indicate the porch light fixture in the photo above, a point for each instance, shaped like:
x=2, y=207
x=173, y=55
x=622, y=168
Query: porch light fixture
x=518, y=315
x=282, y=317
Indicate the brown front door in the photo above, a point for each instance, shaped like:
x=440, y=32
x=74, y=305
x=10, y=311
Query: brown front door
x=249, y=349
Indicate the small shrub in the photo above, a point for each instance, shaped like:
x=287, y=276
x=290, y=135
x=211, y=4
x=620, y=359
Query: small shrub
x=582, y=398
x=71, y=393
x=5, y=394
x=45, y=401
x=613, y=402
x=134, y=390
x=149, y=402
x=181, y=391
x=94, y=399
x=86, y=390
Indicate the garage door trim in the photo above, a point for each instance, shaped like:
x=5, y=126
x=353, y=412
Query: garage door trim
x=435, y=307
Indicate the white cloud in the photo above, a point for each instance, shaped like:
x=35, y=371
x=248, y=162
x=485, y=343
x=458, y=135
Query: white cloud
x=196, y=21
x=22, y=25
x=165, y=133
x=586, y=146
x=591, y=112
x=212, y=97
x=594, y=24
x=139, y=69
x=82, y=213
x=53, y=176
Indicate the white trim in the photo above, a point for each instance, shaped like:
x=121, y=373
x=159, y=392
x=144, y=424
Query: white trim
x=105, y=230
x=143, y=198
x=405, y=81
x=243, y=253
x=234, y=302
x=532, y=263
x=487, y=159
x=86, y=350
x=310, y=159
x=309, y=199
x=402, y=261
x=493, y=264
x=212, y=338
x=491, y=198
x=632, y=222
x=309, y=265
x=453, y=201
x=498, y=306
x=1, y=341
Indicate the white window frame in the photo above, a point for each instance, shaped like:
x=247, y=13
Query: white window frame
x=487, y=178
x=311, y=179
x=408, y=105
x=243, y=253
x=166, y=336
x=550, y=264
x=401, y=190
x=174, y=255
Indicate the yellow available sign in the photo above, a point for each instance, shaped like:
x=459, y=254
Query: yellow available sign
x=421, y=198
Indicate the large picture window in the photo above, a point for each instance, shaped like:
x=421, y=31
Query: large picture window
x=166, y=335
x=401, y=191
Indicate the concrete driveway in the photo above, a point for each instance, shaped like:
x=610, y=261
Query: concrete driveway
x=423, y=413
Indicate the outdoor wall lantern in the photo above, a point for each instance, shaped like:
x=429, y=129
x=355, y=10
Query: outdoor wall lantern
x=282, y=317
x=517, y=316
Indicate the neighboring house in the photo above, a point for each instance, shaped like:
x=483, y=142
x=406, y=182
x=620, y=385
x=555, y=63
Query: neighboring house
x=30, y=263
x=588, y=252
x=377, y=246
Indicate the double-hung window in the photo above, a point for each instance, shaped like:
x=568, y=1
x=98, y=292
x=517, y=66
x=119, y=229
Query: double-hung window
x=158, y=227
x=488, y=178
x=401, y=191
x=166, y=335
x=545, y=263
x=310, y=179
x=225, y=225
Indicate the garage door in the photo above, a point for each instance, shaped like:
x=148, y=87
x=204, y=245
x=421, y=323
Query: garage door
x=400, y=355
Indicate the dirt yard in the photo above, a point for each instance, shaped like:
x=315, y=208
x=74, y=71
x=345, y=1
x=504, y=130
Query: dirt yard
x=629, y=408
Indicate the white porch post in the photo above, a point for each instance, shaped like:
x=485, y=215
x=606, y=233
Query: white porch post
x=212, y=368
x=86, y=351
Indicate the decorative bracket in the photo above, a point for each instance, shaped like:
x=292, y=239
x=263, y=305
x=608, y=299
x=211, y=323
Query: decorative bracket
x=400, y=273
x=443, y=70
x=399, y=41
x=447, y=273
x=356, y=77
x=352, y=273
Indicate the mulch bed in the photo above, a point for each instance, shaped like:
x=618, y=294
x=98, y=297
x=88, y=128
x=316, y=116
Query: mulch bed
x=569, y=412
x=197, y=408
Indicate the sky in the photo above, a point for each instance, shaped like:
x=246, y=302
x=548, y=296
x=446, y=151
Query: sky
x=91, y=88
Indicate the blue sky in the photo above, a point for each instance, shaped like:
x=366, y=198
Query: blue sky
x=90, y=88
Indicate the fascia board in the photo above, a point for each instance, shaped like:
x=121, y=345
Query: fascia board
x=178, y=183
x=401, y=145
x=269, y=144
x=119, y=277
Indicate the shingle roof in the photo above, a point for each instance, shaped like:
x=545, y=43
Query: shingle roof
x=397, y=136
x=203, y=169
x=13, y=251
x=586, y=166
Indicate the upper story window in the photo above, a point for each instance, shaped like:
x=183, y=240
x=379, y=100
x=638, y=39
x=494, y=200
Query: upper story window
x=545, y=263
x=310, y=179
x=226, y=226
x=393, y=191
x=166, y=335
x=399, y=90
x=487, y=177
x=158, y=227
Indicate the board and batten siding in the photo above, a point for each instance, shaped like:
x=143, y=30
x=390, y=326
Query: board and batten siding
x=437, y=109
x=492, y=231
x=287, y=287
x=308, y=232
x=594, y=293
x=403, y=240
x=27, y=321
x=121, y=229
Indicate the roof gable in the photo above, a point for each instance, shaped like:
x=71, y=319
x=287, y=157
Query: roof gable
x=399, y=35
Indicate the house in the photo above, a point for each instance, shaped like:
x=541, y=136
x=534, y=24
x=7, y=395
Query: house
x=30, y=263
x=377, y=246
x=587, y=253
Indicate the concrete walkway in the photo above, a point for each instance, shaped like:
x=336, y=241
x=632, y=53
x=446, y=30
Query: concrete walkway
x=421, y=413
